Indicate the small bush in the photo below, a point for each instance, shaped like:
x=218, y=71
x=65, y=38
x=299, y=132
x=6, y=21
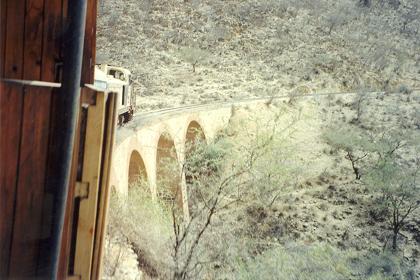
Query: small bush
x=321, y=262
x=194, y=56
x=143, y=225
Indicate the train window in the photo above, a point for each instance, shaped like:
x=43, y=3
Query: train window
x=112, y=72
x=117, y=74
x=101, y=84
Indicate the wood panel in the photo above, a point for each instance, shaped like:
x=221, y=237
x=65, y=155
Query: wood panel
x=51, y=58
x=10, y=116
x=11, y=101
x=33, y=150
x=31, y=34
x=32, y=51
x=91, y=174
x=89, y=51
x=13, y=62
x=104, y=189
x=3, y=21
x=30, y=189
x=53, y=30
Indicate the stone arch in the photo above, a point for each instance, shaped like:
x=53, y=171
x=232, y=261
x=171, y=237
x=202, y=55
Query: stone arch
x=194, y=133
x=136, y=169
x=167, y=171
x=194, y=136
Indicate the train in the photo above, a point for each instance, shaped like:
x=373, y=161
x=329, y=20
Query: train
x=59, y=125
x=117, y=79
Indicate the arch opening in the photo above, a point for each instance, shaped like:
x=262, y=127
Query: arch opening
x=137, y=174
x=167, y=172
x=195, y=134
x=194, y=140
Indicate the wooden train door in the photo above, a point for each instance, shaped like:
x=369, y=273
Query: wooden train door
x=97, y=123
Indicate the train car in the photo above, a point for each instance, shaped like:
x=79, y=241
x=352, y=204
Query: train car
x=57, y=134
x=117, y=79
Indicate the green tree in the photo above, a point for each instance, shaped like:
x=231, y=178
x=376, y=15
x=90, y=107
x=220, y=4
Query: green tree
x=399, y=191
x=353, y=141
x=193, y=56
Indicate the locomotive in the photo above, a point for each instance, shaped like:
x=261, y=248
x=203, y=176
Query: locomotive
x=117, y=79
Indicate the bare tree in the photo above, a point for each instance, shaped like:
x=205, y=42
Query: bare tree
x=219, y=180
x=193, y=56
x=359, y=105
x=400, y=192
x=352, y=141
x=396, y=184
x=187, y=240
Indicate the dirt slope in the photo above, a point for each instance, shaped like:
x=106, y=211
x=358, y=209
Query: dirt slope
x=254, y=48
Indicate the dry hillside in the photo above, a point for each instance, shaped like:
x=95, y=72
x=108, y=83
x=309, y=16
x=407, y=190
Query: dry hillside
x=310, y=202
x=259, y=48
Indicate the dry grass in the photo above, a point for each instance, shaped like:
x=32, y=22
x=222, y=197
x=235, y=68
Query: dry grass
x=299, y=189
x=255, y=48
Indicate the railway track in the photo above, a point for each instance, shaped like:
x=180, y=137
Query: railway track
x=142, y=119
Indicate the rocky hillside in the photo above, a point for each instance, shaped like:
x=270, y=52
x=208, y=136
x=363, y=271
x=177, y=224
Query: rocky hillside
x=307, y=205
x=198, y=51
x=306, y=189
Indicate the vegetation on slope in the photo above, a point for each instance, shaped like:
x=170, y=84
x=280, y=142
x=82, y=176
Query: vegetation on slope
x=278, y=188
x=329, y=183
x=198, y=51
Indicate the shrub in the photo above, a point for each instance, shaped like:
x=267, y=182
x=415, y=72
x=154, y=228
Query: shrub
x=352, y=141
x=382, y=266
x=343, y=12
x=296, y=262
x=321, y=262
x=193, y=56
x=228, y=177
x=143, y=225
x=399, y=191
x=405, y=89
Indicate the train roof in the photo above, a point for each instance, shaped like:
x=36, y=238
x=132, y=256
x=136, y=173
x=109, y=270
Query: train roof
x=104, y=81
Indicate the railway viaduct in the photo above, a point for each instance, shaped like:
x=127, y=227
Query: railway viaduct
x=144, y=146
